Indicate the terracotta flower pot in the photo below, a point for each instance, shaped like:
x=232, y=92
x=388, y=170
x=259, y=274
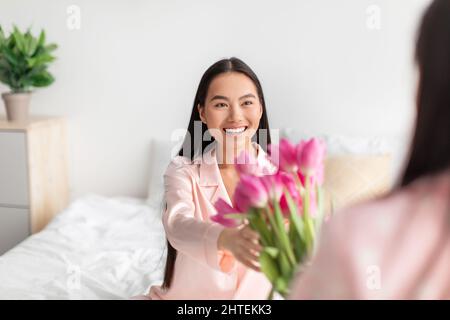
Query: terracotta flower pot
x=17, y=106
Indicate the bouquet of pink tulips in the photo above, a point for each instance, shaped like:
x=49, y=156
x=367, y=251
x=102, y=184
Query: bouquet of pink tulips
x=282, y=204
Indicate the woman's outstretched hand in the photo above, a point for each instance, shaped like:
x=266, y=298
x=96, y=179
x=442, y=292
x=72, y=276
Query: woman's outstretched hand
x=243, y=243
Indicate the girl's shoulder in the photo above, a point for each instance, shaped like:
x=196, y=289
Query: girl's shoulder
x=424, y=200
x=181, y=166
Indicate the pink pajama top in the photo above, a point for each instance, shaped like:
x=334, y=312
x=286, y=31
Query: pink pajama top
x=397, y=247
x=201, y=270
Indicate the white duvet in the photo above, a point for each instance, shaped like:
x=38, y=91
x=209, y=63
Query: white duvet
x=98, y=248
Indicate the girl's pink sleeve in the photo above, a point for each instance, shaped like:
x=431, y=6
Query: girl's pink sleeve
x=185, y=232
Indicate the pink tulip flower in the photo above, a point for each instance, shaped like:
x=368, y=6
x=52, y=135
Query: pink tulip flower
x=247, y=164
x=310, y=156
x=291, y=187
x=250, y=193
x=273, y=185
x=284, y=156
x=224, y=208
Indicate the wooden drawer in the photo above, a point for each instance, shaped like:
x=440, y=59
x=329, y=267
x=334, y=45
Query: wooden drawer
x=33, y=176
x=13, y=169
x=14, y=227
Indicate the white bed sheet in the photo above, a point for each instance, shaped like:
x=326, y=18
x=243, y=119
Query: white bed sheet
x=98, y=248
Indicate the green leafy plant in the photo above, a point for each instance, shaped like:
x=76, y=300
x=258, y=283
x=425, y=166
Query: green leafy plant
x=24, y=60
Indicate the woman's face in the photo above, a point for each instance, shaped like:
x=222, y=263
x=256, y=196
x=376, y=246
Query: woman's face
x=232, y=110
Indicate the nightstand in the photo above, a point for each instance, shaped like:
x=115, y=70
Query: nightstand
x=33, y=176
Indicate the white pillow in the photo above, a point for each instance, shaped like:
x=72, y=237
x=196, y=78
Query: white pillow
x=342, y=144
x=338, y=145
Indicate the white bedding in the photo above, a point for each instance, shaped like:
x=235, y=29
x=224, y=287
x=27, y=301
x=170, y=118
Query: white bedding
x=98, y=248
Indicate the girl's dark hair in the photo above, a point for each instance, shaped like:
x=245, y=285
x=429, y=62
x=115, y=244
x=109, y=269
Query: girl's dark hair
x=430, y=149
x=194, y=148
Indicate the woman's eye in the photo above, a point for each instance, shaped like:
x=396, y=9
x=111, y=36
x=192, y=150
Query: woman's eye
x=220, y=105
x=248, y=102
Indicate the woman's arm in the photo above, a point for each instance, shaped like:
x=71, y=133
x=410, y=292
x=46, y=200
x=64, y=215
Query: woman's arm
x=185, y=232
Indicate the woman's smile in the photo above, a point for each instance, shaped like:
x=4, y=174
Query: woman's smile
x=235, y=130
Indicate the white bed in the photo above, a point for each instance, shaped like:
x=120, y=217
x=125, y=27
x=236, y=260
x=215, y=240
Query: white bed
x=98, y=248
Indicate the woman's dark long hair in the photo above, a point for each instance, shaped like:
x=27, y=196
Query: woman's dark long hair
x=430, y=149
x=195, y=148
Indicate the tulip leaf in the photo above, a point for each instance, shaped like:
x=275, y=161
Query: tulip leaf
x=299, y=247
x=282, y=233
x=273, y=225
x=320, y=213
x=271, y=251
x=272, y=291
x=309, y=234
x=257, y=223
x=285, y=266
x=239, y=216
x=295, y=218
x=269, y=266
x=281, y=285
x=307, y=219
x=306, y=197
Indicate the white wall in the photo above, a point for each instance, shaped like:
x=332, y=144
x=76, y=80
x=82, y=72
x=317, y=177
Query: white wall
x=130, y=73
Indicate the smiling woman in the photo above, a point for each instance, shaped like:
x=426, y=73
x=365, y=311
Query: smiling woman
x=232, y=113
x=204, y=259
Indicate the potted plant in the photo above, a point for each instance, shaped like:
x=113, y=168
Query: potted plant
x=24, y=60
